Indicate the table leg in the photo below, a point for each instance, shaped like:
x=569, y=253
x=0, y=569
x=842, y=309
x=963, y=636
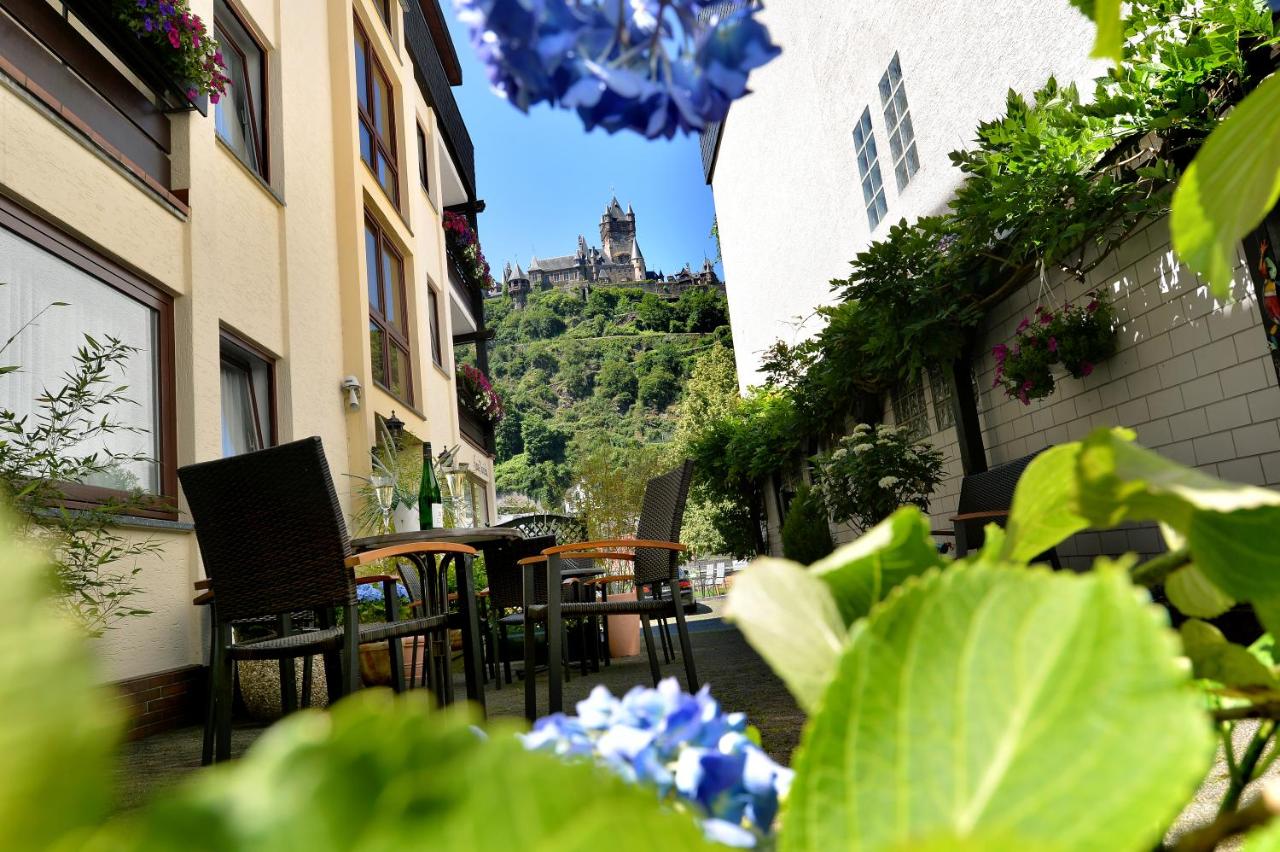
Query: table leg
x=472, y=655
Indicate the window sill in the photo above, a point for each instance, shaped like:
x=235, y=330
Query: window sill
x=257, y=178
x=136, y=522
x=408, y=405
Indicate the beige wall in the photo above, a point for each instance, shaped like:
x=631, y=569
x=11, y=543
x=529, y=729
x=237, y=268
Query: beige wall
x=280, y=265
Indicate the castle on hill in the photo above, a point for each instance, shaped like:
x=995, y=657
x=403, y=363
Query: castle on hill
x=618, y=261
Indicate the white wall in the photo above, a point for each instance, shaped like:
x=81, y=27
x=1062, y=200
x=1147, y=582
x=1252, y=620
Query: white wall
x=788, y=197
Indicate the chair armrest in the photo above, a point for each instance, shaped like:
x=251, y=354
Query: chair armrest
x=601, y=554
x=441, y=547
x=203, y=599
x=531, y=560
x=981, y=516
x=375, y=578
x=206, y=583
x=631, y=543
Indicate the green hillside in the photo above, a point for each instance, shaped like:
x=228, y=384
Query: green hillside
x=586, y=380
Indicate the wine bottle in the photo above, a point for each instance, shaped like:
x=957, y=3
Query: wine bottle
x=430, y=506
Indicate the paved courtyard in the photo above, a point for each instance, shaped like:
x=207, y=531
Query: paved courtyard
x=738, y=677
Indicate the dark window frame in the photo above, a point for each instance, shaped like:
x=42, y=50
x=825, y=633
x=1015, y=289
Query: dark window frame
x=423, y=161
x=137, y=287
x=437, y=344
x=237, y=350
x=263, y=145
x=386, y=148
x=391, y=334
x=384, y=12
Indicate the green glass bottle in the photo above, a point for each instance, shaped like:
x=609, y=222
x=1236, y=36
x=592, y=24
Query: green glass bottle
x=430, y=506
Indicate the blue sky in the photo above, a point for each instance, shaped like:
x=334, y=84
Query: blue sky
x=545, y=180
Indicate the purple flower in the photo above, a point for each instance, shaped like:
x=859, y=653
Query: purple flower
x=1053, y=344
x=1023, y=326
x=191, y=94
x=148, y=24
x=1046, y=318
x=166, y=8
x=1092, y=306
x=1000, y=351
x=1085, y=368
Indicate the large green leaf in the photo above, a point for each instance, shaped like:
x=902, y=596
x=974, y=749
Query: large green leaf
x=1043, y=515
x=383, y=772
x=863, y=572
x=1214, y=658
x=1229, y=187
x=790, y=618
x=1108, y=44
x=59, y=729
x=1193, y=594
x=1228, y=528
x=1002, y=708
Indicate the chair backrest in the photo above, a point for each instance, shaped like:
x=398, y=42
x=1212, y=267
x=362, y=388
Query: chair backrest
x=719, y=574
x=661, y=515
x=270, y=530
x=992, y=489
x=506, y=577
x=566, y=529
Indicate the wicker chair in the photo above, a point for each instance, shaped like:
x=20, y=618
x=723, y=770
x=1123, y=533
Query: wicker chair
x=654, y=553
x=273, y=541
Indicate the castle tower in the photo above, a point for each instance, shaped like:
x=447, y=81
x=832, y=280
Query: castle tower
x=637, y=260
x=617, y=233
x=517, y=285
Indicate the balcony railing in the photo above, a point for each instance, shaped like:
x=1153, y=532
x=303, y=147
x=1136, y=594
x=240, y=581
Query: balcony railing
x=77, y=80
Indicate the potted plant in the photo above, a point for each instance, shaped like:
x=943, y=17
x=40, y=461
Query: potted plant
x=873, y=472
x=477, y=395
x=464, y=247
x=1078, y=337
x=624, y=630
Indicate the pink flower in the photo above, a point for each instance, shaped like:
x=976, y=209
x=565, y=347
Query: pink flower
x=1017, y=350
x=192, y=93
x=1022, y=395
x=1053, y=344
x=1000, y=351
x=217, y=58
x=1024, y=325
x=1085, y=368
x=175, y=39
x=1046, y=318
x=214, y=97
x=1092, y=306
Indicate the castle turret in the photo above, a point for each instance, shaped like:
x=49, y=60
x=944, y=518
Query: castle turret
x=517, y=285
x=637, y=262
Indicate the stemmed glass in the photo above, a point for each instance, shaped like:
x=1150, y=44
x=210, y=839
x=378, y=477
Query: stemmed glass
x=384, y=488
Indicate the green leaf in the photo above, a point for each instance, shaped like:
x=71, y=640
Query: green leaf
x=1191, y=592
x=1109, y=42
x=1042, y=516
x=1227, y=527
x=388, y=772
x=860, y=574
x=60, y=727
x=790, y=618
x=1002, y=708
x=1214, y=658
x=1229, y=187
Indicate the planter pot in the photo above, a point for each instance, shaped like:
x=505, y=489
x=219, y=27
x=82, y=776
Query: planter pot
x=375, y=661
x=405, y=518
x=624, y=630
x=260, y=686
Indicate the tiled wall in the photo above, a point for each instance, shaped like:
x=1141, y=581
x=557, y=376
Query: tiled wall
x=1192, y=377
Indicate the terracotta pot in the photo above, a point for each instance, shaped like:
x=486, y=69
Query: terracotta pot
x=624, y=630
x=260, y=686
x=375, y=661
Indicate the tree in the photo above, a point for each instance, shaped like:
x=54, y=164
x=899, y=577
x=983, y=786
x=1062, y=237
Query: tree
x=609, y=485
x=806, y=535
x=578, y=380
x=710, y=393
x=653, y=313
x=540, y=323
x=507, y=435
x=542, y=442
x=704, y=310
x=657, y=389
x=616, y=379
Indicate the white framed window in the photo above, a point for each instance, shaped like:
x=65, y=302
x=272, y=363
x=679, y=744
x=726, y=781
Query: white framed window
x=897, y=119
x=864, y=148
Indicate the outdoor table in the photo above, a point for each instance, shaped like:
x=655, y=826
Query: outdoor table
x=435, y=590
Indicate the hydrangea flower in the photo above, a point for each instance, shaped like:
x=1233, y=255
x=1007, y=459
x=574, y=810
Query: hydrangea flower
x=612, y=61
x=682, y=745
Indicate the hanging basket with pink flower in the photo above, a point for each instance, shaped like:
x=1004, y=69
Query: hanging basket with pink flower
x=464, y=246
x=1078, y=337
x=477, y=395
x=180, y=43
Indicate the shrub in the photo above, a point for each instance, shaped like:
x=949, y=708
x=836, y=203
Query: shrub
x=874, y=472
x=806, y=535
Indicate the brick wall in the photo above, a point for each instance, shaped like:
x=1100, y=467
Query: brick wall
x=1192, y=377
x=164, y=700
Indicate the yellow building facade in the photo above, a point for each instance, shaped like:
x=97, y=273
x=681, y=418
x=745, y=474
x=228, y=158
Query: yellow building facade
x=261, y=254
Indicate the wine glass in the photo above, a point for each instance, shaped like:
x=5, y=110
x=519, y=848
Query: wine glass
x=384, y=489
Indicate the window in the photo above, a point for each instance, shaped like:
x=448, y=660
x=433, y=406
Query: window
x=864, y=147
x=248, y=398
x=909, y=410
x=388, y=325
x=384, y=12
x=897, y=118
x=940, y=386
x=40, y=266
x=377, y=117
x=424, y=165
x=437, y=351
x=241, y=116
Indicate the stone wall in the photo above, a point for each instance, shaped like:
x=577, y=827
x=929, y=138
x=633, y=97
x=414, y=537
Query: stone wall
x=1192, y=376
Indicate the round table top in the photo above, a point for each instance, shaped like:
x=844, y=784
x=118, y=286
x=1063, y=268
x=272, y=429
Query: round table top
x=457, y=535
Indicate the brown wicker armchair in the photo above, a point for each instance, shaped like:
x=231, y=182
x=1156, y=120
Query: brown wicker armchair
x=655, y=554
x=273, y=542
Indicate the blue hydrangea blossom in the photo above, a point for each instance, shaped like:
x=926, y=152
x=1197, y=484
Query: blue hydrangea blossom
x=652, y=66
x=682, y=745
